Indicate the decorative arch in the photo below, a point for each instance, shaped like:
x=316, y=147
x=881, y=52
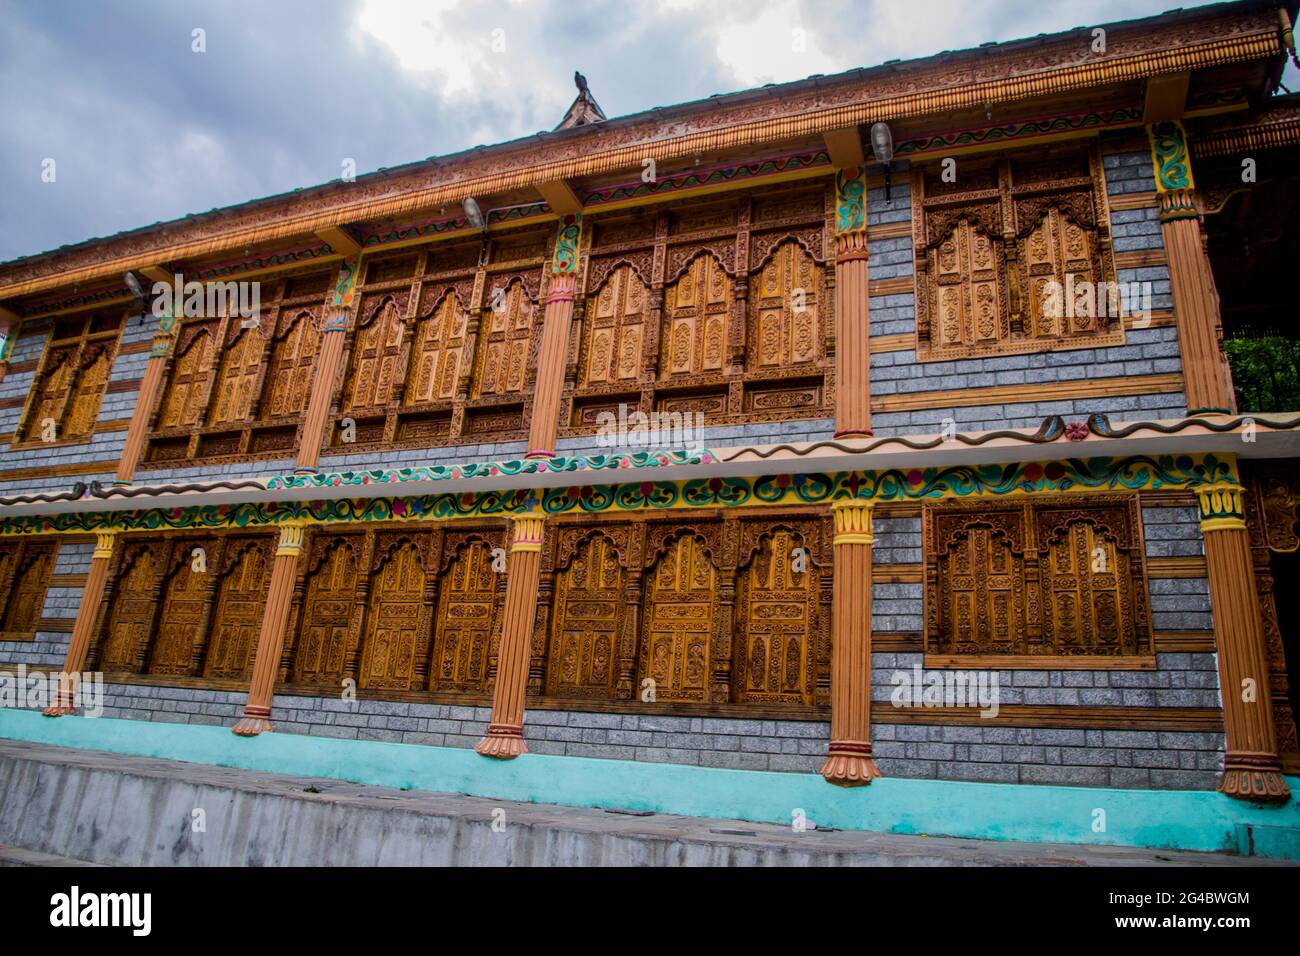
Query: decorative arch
x=697, y=309
x=132, y=612
x=333, y=576
x=505, y=337
x=25, y=601
x=182, y=614
x=467, y=617
x=289, y=374
x=614, y=329
x=396, y=617
x=776, y=620
x=186, y=393
x=51, y=394
x=236, y=379
x=241, y=598
x=681, y=610
x=588, y=619
x=785, y=309
x=437, y=351
x=376, y=351
x=87, y=391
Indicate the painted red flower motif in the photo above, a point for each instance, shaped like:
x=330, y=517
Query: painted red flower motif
x=914, y=477
x=647, y=487
x=1033, y=472
x=399, y=507
x=783, y=481
x=715, y=485
x=1076, y=431
x=1055, y=471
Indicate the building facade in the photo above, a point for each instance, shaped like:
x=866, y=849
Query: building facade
x=703, y=435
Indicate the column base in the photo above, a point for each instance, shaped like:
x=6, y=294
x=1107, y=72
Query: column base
x=59, y=710
x=1209, y=410
x=539, y=454
x=306, y=471
x=503, y=741
x=256, y=720
x=1256, y=777
x=849, y=764
x=854, y=433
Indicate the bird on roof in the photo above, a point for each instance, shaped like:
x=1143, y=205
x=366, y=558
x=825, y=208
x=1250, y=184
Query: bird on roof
x=581, y=82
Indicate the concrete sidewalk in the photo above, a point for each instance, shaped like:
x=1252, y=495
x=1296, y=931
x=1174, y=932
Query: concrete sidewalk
x=61, y=805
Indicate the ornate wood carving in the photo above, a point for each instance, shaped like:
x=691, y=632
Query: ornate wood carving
x=468, y=614
x=71, y=377
x=1051, y=578
x=776, y=621
x=785, y=323
x=233, y=388
x=505, y=338
x=186, y=392
x=397, y=616
x=293, y=354
x=1006, y=256
x=241, y=597
x=697, y=308
x=133, y=604
x=328, y=614
x=614, y=330
x=588, y=618
x=437, y=352
x=372, y=369
x=183, y=615
x=681, y=607
x=25, y=569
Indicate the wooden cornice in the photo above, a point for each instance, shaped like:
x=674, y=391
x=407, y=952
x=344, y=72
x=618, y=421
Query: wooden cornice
x=936, y=86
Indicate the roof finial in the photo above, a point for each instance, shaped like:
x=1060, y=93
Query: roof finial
x=584, y=110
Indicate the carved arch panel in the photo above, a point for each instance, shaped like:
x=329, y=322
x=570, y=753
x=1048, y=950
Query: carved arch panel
x=233, y=389
x=467, y=618
x=30, y=567
x=288, y=377
x=132, y=613
x=697, y=309
x=614, y=331
x=376, y=352
x=397, y=624
x=186, y=394
x=785, y=310
x=776, y=623
x=504, y=341
x=328, y=611
x=183, y=613
x=241, y=597
x=587, y=621
x=437, y=353
x=681, y=611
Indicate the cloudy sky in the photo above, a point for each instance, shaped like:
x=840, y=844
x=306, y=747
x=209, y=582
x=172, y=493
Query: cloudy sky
x=143, y=128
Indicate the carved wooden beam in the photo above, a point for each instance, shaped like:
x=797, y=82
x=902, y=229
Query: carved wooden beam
x=340, y=240
x=845, y=147
x=1166, y=97
x=560, y=196
x=157, y=273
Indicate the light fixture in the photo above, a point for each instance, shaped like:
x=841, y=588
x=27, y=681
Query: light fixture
x=472, y=212
x=882, y=144
x=133, y=284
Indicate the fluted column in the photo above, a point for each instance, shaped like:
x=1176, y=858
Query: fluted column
x=137, y=430
x=270, y=640
x=327, y=366
x=505, y=736
x=1251, y=769
x=852, y=323
x=1191, y=280
x=84, y=627
x=849, y=762
x=555, y=339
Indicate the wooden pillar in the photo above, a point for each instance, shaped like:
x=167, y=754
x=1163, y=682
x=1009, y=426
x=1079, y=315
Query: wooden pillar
x=137, y=430
x=315, y=418
x=555, y=339
x=852, y=324
x=8, y=331
x=505, y=736
x=1251, y=769
x=84, y=627
x=270, y=640
x=1191, y=280
x=849, y=762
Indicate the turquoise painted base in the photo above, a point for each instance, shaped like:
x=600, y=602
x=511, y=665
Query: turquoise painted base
x=1162, y=819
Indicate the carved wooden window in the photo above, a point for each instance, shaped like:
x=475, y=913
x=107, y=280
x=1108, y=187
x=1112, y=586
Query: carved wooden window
x=614, y=332
x=183, y=615
x=25, y=569
x=187, y=391
x=776, y=609
x=288, y=378
x=375, y=354
x=466, y=619
x=437, y=353
x=133, y=604
x=241, y=597
x=505, y=336
x=397, y=619
x=236, y=376
x=71, y=379
x=785, y=298
x=698, y=306
x=328, y=613
x=681, y=606
x=587, y=622
x=1048, y=578
x=1014, y=257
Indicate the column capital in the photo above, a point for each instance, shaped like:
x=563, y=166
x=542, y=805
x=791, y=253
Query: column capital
x=291, y=534
x=527, y=532
x=568, y=237
x=851, y=200
x=851, y=247
x=853, y=521
x=1222, y=507
x=104, y=541
x=1170, y=156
